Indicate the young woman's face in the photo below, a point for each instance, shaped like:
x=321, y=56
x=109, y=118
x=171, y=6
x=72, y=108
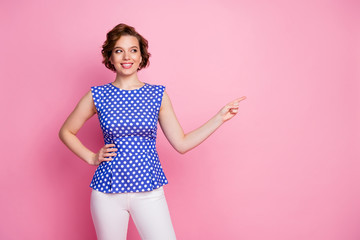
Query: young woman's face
x=126, y=55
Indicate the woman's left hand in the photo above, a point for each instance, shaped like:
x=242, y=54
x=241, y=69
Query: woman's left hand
x=230, y=109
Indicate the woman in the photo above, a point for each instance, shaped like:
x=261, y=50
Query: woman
x=129, y=177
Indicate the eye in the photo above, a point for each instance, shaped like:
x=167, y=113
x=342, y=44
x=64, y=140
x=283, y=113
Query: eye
x=118, y=51
x=134, y=50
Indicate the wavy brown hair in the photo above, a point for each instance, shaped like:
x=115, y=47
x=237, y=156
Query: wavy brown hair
x=114, y=35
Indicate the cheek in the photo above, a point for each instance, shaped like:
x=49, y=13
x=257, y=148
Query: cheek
x=138, y=58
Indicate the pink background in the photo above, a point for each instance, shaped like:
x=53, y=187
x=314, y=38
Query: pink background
x=285, y=168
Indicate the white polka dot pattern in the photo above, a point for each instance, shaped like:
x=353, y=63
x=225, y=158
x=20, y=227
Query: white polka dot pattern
x=128, y=119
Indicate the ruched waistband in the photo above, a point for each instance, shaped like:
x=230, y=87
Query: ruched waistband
x=134, y=144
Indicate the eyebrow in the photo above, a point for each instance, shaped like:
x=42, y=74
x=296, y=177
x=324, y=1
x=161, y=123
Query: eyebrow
x=130, y=47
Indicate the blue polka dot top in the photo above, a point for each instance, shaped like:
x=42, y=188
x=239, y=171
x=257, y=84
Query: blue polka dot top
x=128, y=119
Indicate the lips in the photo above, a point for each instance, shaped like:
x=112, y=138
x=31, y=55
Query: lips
x=126, y=65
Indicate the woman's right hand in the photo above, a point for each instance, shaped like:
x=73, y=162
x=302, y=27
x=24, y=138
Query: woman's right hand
x=105, y=154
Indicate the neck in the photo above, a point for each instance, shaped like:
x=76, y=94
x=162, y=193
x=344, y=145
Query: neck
x=127, y=82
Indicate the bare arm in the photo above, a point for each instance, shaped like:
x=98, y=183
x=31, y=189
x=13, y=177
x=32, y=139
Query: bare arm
x=84, y=110
x=185, y=142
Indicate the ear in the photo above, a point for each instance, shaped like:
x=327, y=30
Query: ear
x=140, y=63
x=110, y=59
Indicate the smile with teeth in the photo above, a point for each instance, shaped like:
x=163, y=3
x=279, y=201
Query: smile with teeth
x=126, y=65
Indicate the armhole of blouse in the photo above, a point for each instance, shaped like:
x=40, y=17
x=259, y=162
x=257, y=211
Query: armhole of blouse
x=95, y=93
x=162, y=90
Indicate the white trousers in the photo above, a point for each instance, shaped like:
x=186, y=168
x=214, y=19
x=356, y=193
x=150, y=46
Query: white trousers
x=149, y=211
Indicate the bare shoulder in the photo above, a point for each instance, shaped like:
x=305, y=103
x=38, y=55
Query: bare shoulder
x=165, y=95
x=165, y=103
x=86, y=103
x=87, y=97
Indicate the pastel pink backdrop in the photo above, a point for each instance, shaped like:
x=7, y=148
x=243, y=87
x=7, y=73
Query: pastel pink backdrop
x=286, y=167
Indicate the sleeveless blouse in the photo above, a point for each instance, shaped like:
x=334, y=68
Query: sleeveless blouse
x=128, y=119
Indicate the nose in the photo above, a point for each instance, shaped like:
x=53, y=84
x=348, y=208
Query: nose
x=126, y=56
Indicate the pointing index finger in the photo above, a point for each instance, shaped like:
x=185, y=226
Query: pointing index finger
x=239, y=100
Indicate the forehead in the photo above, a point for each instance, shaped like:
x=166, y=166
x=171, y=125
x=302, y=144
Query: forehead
x=127, y=41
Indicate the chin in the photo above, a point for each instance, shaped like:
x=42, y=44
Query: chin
x=126, y=73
